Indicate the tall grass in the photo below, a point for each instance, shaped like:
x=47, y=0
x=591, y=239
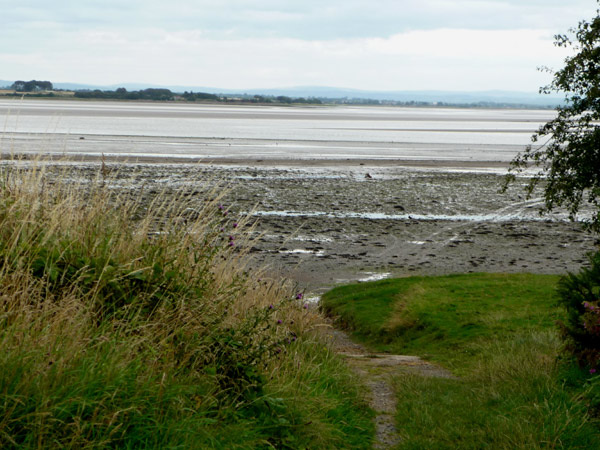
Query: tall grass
x=130, y=319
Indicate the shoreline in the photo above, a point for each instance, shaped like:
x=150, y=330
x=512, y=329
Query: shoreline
x=260, y=162
x=69, y=96
x=389, y=225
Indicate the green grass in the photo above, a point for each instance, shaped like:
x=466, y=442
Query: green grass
x=498, y=334
x=448, y=319
x=128, y=322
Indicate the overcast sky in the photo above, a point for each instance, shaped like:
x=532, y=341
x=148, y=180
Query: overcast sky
x=245, y=44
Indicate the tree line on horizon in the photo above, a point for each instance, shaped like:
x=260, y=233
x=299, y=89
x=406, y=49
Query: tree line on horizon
x=157, y=94
x=35, y=88
x=167, y=95
x=32, y=86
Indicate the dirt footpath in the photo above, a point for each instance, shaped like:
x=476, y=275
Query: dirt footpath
x=377, y=371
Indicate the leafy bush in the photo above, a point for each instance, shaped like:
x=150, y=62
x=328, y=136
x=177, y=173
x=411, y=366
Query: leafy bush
x=580, y=295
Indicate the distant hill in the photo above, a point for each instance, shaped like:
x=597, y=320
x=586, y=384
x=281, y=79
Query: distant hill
x=323, y=92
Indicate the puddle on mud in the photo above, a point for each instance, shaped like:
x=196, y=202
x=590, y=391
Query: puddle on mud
x=424, y=217
x=373, y=276
x=302, y=251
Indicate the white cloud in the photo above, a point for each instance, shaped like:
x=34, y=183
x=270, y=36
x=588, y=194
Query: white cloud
x=460, y=43
x=434, y=59
x=365, y=44
x=301, y=19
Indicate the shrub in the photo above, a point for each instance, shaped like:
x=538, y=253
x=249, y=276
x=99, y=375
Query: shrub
x=580, y=295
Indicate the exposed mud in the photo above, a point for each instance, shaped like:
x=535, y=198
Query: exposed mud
x=327, y=223
x=332, y=225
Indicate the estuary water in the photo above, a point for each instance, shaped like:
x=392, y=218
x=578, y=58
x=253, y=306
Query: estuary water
x=205, y=132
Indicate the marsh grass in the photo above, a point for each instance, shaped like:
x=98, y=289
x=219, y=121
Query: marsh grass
x=498, y=333
x=130, y=319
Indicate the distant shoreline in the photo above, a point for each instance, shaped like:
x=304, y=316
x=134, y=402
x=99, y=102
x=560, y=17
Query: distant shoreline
x=324, y=102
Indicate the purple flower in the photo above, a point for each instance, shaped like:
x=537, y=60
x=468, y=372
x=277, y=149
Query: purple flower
x=279, y=321
x=220, y=206
x=235, y=225
x=299, y=296
x=306, y=306
x=232, y=244
x=270, y=306
x=592, y=371
x=222, y=229
x=231, y=238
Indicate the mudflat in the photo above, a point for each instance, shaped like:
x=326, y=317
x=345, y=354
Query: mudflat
x=322, y=222
x=333, y=224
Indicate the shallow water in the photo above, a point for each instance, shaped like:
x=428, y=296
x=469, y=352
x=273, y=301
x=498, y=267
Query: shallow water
x=521, y=215
x=252, y=132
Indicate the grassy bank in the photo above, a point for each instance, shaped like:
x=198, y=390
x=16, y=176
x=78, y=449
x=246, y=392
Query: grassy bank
x=498, y=334
x=129, y=319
